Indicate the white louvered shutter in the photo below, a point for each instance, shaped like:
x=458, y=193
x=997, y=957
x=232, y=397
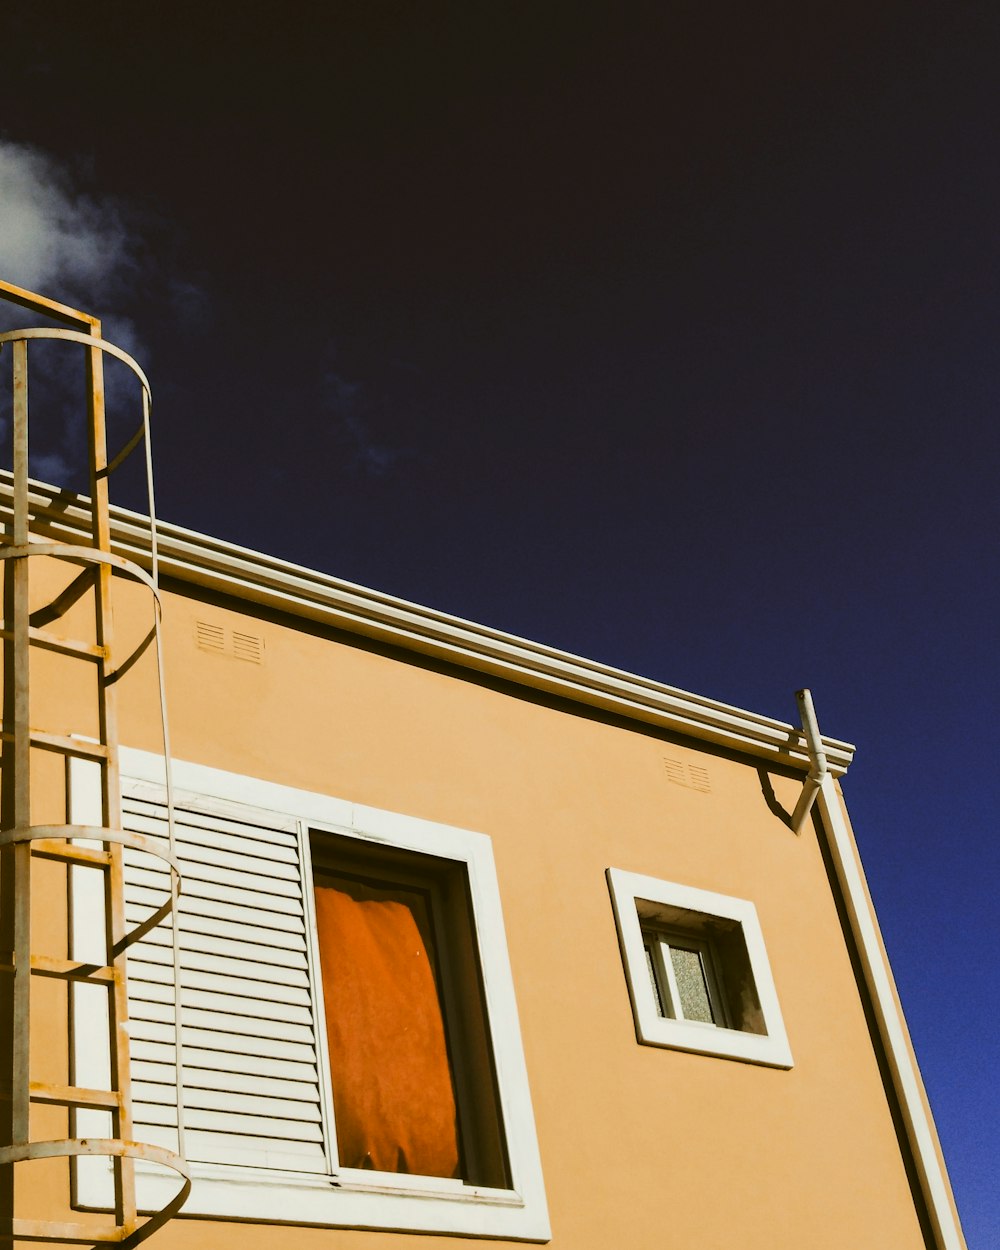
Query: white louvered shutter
x=250, y=1075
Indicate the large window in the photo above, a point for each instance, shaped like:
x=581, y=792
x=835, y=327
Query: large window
x=697, y=970
x=411, y=1067
x=352, y=1055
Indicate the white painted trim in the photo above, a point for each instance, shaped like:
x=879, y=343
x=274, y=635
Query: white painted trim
x=263, y=580
x=319, y=1005
x=367, y=1199
x=895, y=1041
x=772, y=1048
x=91, y=1058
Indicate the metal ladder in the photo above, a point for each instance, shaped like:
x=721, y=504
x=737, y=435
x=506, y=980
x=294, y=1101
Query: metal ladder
x=96, y=847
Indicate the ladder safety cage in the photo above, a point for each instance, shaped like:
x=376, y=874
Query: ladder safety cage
x=95, y=845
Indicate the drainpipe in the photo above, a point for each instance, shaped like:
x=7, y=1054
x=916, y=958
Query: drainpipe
x=918, y=1123
x=817, y=759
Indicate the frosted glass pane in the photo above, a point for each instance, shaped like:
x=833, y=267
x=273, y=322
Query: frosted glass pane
x=691, y=985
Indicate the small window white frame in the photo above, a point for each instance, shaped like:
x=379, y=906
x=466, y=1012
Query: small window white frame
x=661, y=941
x=633, y=896
x=348, y=1198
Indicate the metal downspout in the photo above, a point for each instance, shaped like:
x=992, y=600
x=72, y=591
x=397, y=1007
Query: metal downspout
x=907, y=1085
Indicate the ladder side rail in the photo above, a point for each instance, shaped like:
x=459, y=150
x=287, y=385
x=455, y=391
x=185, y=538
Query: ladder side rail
x=107, y=705
x=21, y=760
x=167, y=770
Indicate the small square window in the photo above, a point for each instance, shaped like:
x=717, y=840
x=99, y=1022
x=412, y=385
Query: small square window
x=697, y=971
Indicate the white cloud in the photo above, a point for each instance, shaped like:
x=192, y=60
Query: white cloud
x=55, y=239
x=63, y=242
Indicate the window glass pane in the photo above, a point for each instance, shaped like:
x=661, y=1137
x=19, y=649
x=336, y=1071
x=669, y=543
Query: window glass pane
x=393, y=1091
x=653, y=981
x=691, y=984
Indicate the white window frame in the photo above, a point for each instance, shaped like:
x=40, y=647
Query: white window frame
x=348, y=1197
x=661, y=940
x=629, y=891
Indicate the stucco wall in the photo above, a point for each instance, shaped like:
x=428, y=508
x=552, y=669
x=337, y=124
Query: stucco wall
x=642, y=1147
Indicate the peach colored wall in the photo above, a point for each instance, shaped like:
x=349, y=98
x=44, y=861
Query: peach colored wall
x=641, y=1147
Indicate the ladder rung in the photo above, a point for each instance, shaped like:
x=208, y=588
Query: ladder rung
x=72, y=1234
x=64, y=969
x=62, y=743
x=74, y=1096
x=66, y=745
x=55, y=848
x=72, y=970
x=64, y=646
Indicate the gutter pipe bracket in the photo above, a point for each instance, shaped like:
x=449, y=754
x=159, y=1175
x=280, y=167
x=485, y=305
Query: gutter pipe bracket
x=817, y=759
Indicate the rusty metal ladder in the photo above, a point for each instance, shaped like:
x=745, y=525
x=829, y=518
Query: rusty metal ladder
x=84, y=847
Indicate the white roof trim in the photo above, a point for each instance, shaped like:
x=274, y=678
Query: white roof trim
x=231, y=570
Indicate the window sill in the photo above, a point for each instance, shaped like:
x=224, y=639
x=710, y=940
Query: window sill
x=708, y=1039
x=378, y=1201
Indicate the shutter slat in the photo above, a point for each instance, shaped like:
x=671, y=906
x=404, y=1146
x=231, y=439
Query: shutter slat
x=233, y=1151
x=209, y=1082
x=212, y=1121
x=229, y=1022
x=216, y=983
x=253, y=825
x=162, y=957
x=289, y=1109
x=226, y=887
x=281, y=849
x=233, y=946
x=207, y=1065
x=258, y=1126
x=195, y=929
x=155, y=874
x=221, y=1002
x=213, y=1039
x=232, y=860
x=193, y=824
x=235, y=913
x=152, y=1113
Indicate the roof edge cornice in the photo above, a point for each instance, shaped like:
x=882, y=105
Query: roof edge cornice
x=244, y=574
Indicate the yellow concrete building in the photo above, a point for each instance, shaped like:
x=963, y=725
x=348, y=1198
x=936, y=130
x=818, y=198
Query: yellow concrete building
x=476, y=939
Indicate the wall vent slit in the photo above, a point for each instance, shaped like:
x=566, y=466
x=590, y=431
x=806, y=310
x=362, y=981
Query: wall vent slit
x=222, y=641
x=248, y=647
x=209, y=637
x=693, y=776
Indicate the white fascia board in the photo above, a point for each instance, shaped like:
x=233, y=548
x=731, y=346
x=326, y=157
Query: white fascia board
x=228, y=569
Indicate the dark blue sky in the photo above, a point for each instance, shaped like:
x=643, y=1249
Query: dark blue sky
x=662, y=333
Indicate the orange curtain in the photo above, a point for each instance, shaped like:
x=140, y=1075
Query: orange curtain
x=393, y=1092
